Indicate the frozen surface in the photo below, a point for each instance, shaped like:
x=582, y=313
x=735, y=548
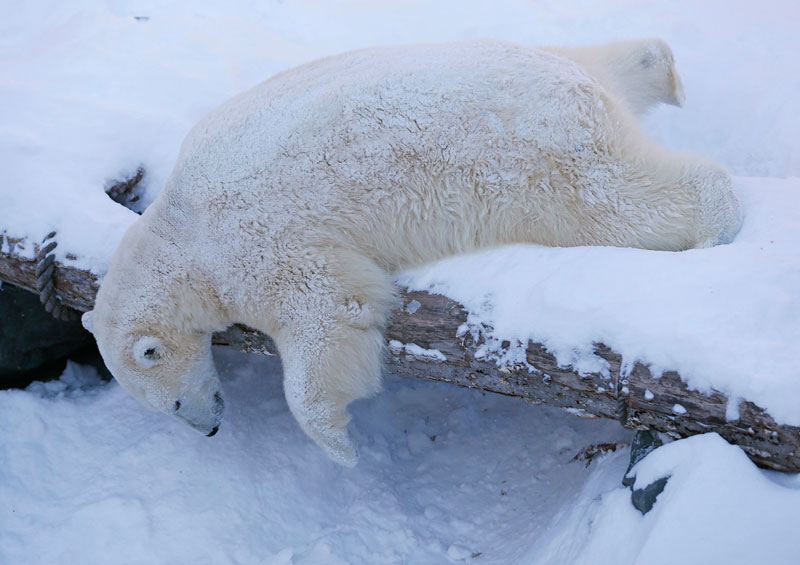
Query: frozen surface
x=91, y=89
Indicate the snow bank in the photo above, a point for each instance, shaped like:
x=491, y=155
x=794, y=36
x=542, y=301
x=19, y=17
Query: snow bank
x=717, y=507
x=726, y=317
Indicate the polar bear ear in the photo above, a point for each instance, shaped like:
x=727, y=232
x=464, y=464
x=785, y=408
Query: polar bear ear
x=86, y=320
x=148, y=351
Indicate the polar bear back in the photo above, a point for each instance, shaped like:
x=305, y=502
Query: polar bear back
x=439, y=135
x=363, y=95
x=410, y=154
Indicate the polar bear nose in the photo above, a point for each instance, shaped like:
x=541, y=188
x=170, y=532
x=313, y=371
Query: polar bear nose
x=205, y=416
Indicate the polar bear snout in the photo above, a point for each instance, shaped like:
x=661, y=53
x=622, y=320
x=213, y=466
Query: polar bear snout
x=205, y=416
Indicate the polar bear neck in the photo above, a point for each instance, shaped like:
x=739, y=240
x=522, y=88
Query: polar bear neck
x=157, y=261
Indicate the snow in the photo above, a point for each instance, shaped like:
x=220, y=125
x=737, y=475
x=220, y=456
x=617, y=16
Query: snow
x=445, y=473
x=92, y=89
x=87, y=474
x=415, y=350
x=413, y=306
x=717, y=507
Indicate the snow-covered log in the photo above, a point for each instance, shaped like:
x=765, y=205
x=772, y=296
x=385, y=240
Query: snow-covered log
x=424, y=343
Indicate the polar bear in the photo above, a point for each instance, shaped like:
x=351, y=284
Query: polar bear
x=291, y=205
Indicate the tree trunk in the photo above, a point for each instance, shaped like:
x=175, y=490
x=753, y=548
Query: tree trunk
x=636, y=400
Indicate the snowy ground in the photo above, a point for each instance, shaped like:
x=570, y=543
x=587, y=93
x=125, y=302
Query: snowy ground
x=92, y=89
x=443, y=471
x=445, y=474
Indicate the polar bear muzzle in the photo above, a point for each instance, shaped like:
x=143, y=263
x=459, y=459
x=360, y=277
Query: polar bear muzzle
x=173, y=376
x=199, y=415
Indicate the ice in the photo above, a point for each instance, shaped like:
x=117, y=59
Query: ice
x=416, y=350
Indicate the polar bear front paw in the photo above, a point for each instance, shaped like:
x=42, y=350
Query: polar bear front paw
x=339, y=447
x=322, y=418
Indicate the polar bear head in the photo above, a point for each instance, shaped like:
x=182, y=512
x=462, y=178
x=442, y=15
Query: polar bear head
x=152, y=338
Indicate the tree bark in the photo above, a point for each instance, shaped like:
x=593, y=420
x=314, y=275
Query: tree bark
x=636, y=400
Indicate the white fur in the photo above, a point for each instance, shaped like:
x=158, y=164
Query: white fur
x=640, y=72
x=291, y=204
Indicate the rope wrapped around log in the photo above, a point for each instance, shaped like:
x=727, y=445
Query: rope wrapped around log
x=45, y=282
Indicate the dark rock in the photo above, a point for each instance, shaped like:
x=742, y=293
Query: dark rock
x=643, y=499
x=644, y=442
x=34, y=345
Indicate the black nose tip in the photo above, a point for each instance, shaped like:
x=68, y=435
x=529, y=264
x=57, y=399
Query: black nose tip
x=214, y=431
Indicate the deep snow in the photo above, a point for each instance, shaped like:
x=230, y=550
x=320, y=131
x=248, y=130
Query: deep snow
x=92, y=89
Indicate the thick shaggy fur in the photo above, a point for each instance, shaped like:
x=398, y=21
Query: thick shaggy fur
x=292, y=203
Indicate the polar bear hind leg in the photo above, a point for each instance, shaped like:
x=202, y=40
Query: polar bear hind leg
x=641, y=72
x=331, y=344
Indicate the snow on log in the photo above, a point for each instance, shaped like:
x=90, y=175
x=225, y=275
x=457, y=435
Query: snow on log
x=424, y=343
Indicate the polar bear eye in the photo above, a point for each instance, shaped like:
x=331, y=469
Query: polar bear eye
x=148, y=351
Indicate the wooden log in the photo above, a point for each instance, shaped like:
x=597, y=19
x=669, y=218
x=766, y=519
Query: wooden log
x=76, y=288
x=432, y=322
